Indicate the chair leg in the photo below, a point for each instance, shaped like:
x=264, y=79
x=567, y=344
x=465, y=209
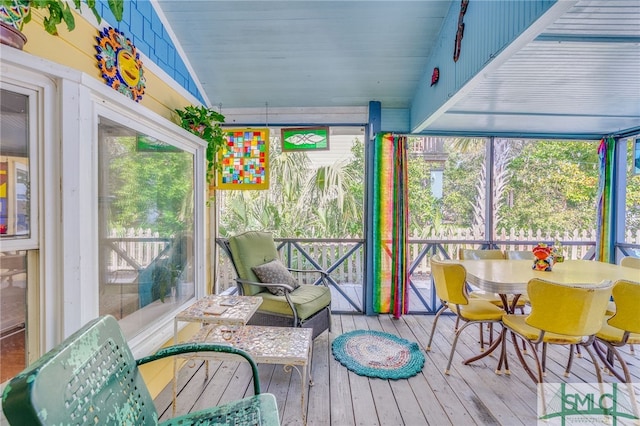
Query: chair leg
x=627, y=375
x=539, y=378
x=453, y=346
x=433, y=327
x=514, y=339
x=595, y=362
x=567, y=370
x=503, y=353
x=490, y=326
x=607, y=359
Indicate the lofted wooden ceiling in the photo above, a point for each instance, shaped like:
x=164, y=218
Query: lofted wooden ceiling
x=576, y=77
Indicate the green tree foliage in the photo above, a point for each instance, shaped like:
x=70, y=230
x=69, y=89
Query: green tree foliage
x=302, y=201
x=462, y=175
x=424, y=207
x=553, y=187
x=546, y=185
x=150, y=189
x=633, y=190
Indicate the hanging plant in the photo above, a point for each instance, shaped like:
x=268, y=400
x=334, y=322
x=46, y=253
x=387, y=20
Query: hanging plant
x=205, y=123
x=58, y=10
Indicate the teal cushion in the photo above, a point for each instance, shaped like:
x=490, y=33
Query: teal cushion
x=252, y=248
x=308, y=299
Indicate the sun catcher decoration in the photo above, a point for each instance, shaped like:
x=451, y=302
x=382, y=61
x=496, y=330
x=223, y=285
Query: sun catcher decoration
x=120, y=63
x=245, y=160
x=305, y=138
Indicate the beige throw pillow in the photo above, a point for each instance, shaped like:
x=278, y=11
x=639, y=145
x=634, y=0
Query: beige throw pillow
x=275, y=272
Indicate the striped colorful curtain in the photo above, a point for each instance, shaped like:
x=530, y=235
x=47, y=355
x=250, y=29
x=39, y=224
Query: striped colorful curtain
x=390, y=213
x=605, y=213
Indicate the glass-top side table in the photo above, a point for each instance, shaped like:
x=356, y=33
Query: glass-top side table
x=215, y=309
x=219, y=310
x=291, y=347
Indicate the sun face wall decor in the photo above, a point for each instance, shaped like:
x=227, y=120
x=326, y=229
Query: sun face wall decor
x=120, y=63
x=245, y=160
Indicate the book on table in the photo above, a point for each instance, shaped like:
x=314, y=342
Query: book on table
x=214, y=310
x=232, y=301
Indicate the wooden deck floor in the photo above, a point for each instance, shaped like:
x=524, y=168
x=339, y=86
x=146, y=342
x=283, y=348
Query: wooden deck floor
x=470, y=395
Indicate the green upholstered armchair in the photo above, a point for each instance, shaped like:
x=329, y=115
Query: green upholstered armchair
x=305, y=306
x=92, y=378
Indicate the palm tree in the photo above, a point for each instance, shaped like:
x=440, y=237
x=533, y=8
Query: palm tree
x=301, y=200
x=504, y=150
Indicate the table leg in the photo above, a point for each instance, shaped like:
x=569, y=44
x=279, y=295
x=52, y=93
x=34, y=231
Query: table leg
x=492, y=348
x=305, y=393
x=309, y=364
x=303, y=384
x=509, y=308
x=174, y=387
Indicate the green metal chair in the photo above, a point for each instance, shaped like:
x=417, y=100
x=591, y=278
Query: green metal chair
x=305, y=306
x=92, y=378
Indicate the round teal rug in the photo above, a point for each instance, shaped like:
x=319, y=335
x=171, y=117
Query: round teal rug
x=377, y=354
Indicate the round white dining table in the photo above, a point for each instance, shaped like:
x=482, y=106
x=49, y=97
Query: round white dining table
x=512, y=276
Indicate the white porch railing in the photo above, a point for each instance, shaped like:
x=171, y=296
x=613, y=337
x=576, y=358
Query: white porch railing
x=133, y=249
x=141, y=246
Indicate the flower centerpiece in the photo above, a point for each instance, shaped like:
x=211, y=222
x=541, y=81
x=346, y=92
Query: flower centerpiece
x=544, y=257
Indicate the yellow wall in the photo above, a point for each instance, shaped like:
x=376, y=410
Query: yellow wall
x=76, y=50
x=158, y=374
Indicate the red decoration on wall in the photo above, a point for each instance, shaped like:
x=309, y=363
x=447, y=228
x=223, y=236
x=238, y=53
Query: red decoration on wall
x=435, y=76
x=460, y=32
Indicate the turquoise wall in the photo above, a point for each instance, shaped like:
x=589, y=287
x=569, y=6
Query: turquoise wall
x=395, y=120
x=490, y=26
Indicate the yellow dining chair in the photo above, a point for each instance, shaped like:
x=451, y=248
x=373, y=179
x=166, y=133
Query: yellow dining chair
x=519, y=255
x=556, y=319
x=623, y=328
x=472, y=254
x=630, y=262
x=450, y=282
x=627, y=262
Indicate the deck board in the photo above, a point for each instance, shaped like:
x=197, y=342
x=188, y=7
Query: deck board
x=471, y=394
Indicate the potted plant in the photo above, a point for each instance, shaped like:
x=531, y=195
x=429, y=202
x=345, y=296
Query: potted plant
x=15, y=13
x=205, y=123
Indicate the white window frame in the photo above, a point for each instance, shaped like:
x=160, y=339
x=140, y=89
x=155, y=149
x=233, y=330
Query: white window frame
x=34, y=96
x=67, y=134
x=43, y=329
